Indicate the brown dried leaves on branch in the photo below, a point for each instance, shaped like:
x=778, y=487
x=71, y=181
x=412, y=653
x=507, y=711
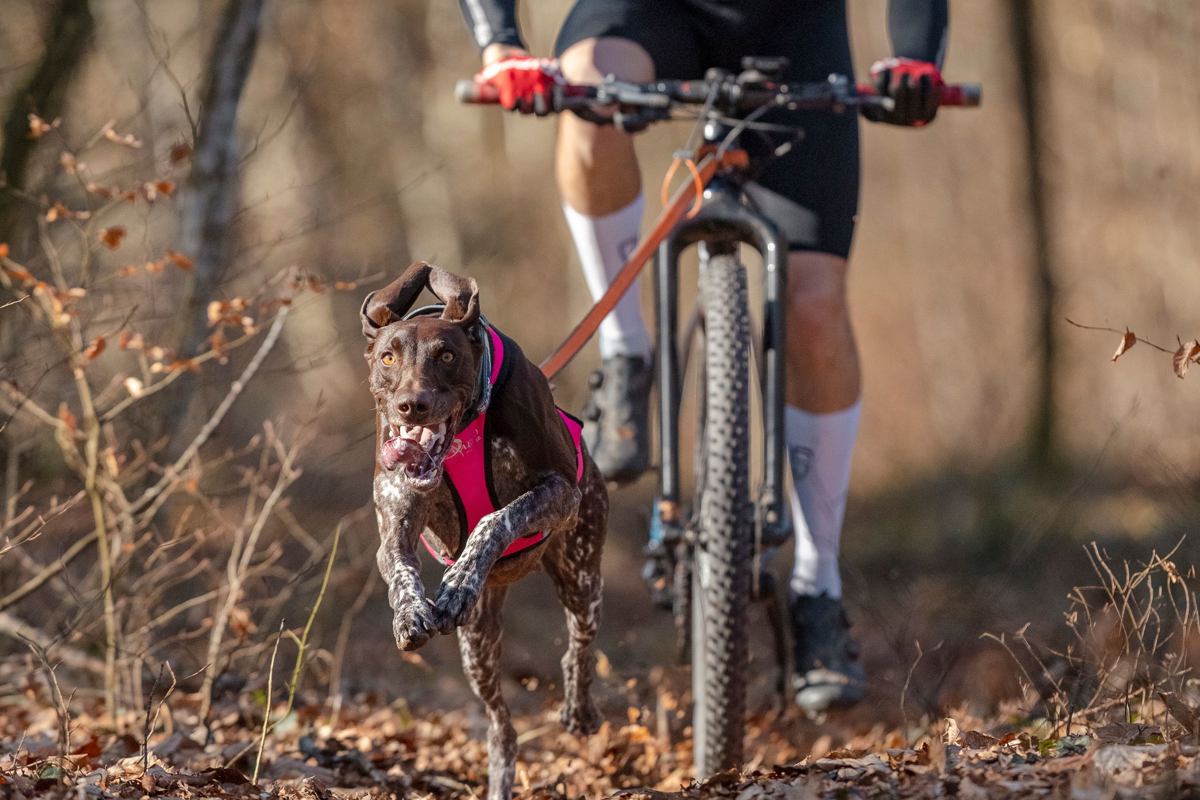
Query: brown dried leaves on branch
x=1188, y=352
x=94, y=348
x=1127, y=341
x=1181, y=358
x=112, y=237
x=38, y=127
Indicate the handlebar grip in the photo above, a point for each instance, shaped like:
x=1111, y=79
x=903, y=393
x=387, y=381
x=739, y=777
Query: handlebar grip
x=967, y=95
x=962, y=95
x=468, y=91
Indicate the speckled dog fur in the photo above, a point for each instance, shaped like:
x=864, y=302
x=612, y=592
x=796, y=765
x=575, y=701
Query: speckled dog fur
x=534, y=468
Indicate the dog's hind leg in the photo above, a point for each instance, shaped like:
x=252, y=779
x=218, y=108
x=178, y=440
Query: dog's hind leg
x=575, y=570
x=479, y=643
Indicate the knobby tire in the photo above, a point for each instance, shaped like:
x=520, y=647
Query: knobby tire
x=722, y=568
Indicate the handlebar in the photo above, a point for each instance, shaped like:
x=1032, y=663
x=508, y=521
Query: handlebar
x=660, y=96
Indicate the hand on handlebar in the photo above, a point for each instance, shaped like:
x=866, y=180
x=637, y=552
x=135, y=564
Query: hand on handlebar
x=914, y=87
x=522, y=83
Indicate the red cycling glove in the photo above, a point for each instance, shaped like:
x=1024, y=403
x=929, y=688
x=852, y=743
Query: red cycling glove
x=914, y=86
x=523, y=83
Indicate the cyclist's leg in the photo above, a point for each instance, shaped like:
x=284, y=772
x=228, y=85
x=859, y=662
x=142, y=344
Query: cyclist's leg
x=812, y=192
x=823, y=386
x=600, y=186
x=601, y=189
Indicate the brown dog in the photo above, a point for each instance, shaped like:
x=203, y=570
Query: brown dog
x=458, y=404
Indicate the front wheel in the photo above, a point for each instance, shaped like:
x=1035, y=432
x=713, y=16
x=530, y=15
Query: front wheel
x=721, y=573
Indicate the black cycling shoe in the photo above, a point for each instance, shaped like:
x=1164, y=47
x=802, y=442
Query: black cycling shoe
x=826, y=673
x=619, y=438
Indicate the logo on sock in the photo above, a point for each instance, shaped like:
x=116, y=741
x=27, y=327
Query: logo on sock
x=801, y=459
x=625, y=249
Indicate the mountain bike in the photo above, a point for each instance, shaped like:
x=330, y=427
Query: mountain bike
x=714, y=552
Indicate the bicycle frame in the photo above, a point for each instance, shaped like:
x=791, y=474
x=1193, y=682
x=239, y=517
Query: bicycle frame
x=726, y=219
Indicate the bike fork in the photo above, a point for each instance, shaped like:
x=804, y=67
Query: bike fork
x=771, y=521
x=666, y=528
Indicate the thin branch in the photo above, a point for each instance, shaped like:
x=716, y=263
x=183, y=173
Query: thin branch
x=1119, y=333
x=48, y=572
x=262, y=739
x=235, y=390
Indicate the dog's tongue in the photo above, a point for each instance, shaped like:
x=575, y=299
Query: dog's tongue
x=412, y=447
x=399, y=451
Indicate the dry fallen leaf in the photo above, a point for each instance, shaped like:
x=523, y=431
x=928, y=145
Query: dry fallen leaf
x=94, y=348
x=111, y=237
x=1127, y=341
x=38, y=127
x=180, y=260
x=241, y=623
x=180, y=152
x=977, y=740
x=131, y=341
x=70, y=164
x=124, y=139
x=152, y=189
x=952, y=733
x=67, y=418
x=1185, y=355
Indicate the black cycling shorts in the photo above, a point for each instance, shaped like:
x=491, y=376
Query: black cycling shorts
x=812, y=191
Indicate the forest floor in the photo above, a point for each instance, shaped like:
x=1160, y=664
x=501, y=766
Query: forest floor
x=947, y=713
x=382, y=751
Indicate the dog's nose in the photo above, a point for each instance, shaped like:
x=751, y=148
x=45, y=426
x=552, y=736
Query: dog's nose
x=414, y=405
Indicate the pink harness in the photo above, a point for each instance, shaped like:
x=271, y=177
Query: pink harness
x=468, y=471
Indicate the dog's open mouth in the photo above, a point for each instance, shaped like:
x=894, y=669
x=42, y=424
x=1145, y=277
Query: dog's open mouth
x=418, y=450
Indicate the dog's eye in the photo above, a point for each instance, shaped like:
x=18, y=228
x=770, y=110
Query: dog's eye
x=388, y=358
x=447, y=357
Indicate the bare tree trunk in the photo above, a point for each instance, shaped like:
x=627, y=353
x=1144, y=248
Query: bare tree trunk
x=1043, y=431
x=210, y=198
x=71, y=27
x=70, y=32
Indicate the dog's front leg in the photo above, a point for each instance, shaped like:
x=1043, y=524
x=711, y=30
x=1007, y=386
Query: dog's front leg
x=550, y=505
x=401, y=518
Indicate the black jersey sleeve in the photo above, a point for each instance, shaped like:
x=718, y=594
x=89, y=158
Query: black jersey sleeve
x=492, y=21
x=918, y=29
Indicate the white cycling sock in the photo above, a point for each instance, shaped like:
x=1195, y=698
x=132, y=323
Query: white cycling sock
x=604, y=244
x=820, y=448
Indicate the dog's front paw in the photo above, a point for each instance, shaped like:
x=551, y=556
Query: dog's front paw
x=413, y=624
x=581, y=719
x=455, y=601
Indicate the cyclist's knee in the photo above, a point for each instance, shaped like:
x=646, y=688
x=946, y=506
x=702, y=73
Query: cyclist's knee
x=816, y=294
x=590, y=60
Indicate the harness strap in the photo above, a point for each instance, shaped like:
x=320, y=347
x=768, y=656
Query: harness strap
x=467, y=467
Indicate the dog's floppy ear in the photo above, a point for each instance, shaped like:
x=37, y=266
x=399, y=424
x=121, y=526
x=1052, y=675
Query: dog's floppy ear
x=387, y=305
x=461, y=296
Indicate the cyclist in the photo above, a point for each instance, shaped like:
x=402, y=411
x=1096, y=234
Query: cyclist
x=811, y=193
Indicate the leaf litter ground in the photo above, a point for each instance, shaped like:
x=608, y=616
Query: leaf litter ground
x=388, y=751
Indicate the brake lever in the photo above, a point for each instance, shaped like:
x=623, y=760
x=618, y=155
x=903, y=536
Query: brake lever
x=639, y=120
